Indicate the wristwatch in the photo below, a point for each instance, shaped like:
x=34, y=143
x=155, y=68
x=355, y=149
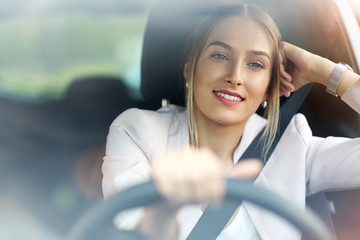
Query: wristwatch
x=335, y=77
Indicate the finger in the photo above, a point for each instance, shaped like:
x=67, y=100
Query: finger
x=246, y=169
x=192, y=182
x=166, y=177
x=184, y=187
x=164, y=183
x=287, y=85
x=285, y=74
x=190, y=176
x=199, y=186
x=285, y=92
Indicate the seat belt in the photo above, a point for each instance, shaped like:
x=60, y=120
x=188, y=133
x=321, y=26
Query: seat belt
x=214, y=219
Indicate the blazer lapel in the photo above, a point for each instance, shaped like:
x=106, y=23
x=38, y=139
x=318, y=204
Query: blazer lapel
x=283, y=174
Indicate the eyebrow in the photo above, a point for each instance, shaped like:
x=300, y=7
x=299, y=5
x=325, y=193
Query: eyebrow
x=227, y=46
x=221, y=44
x=262, y=53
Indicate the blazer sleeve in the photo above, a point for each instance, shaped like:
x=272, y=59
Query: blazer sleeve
x=333, y=163
x=352, y=96
x=126, y=162
x=135, y=138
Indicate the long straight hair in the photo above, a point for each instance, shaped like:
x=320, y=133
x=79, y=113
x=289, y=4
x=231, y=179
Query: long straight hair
x=195, y=45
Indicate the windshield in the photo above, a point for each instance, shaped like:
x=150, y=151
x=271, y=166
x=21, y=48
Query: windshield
x=54, y=127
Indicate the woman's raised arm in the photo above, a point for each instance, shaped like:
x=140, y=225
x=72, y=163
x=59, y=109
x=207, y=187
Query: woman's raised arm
x=300, y=67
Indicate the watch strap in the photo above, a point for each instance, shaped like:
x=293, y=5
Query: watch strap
x=335, y=78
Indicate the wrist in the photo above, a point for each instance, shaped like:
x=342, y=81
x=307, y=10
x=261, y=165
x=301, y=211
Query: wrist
x=322, y=70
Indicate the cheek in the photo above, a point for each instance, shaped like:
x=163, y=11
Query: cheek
x=202, y=92
x=258, y=85
x=203, y=80
x=209, y=71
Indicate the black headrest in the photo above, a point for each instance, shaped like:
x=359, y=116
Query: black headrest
x=168, y=27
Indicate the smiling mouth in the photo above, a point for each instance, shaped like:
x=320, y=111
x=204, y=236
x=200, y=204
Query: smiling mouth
x=229, y=97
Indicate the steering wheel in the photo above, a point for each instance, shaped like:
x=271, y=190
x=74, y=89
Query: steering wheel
x=101, y=216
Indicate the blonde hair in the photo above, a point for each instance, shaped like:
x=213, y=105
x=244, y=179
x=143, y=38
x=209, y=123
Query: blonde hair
x=195, y=45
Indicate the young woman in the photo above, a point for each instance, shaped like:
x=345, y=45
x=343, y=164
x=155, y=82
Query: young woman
x=235, y=61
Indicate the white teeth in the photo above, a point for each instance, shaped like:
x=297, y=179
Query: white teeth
x=229, y=97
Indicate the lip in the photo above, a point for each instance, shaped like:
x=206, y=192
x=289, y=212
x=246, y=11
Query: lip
x=230, y=93
x=228, y=101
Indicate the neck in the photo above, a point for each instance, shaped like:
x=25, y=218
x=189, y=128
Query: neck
x=221, y=139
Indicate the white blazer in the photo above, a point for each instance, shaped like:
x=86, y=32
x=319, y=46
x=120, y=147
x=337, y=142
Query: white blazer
x=300, y=165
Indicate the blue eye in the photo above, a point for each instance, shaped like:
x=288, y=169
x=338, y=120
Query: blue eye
x=256, y=65
x=220, y=56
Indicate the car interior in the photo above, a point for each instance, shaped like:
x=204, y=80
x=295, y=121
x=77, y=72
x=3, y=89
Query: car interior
x=51, y=150
x=322, y=38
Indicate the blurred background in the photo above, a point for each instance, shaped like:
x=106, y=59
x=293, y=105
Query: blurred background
x=67, y=69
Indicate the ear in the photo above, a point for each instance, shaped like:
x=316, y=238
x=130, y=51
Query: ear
x=186, y=68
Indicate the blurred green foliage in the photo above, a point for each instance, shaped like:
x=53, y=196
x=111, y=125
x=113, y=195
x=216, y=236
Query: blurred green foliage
x=42, y=55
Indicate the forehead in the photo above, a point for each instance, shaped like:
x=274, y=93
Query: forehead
x=242, y=34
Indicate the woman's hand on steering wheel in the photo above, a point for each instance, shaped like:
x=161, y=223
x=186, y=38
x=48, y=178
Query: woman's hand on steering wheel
x=197, y=175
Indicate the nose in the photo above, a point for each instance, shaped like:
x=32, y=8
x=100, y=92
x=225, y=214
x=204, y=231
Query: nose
x=234, y=77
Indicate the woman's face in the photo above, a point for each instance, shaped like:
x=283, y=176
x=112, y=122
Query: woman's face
x=233, y=72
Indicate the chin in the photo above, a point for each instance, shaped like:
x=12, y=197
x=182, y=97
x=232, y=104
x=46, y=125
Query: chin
x=228, y=119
